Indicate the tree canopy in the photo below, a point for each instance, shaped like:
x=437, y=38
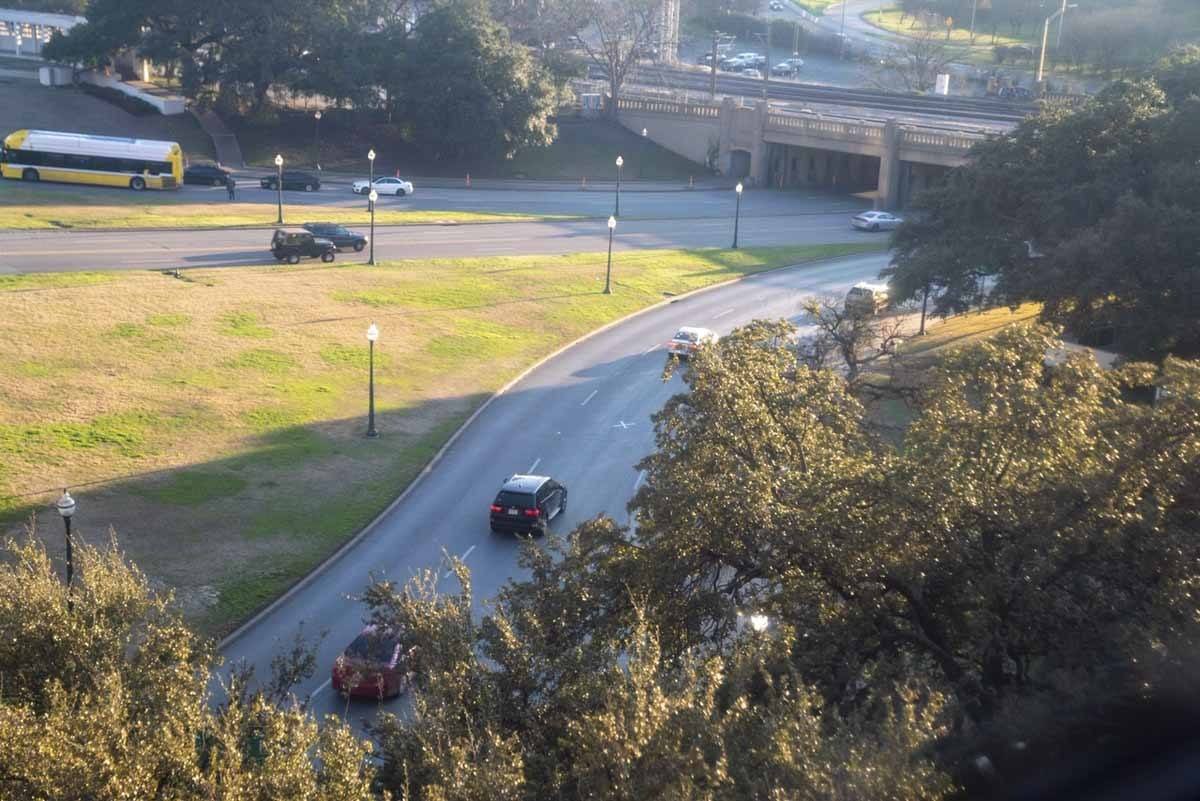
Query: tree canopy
x=1093, y=212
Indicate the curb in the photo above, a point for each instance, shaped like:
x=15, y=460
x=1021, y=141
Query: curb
x=332, y=559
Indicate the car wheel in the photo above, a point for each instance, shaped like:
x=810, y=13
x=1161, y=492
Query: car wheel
x=358, y=246
x=293, y=259
x=30, y=175
x=327, y=256
x=400, y=193
x=875, y=227
x=308, y=187
x=137, y=183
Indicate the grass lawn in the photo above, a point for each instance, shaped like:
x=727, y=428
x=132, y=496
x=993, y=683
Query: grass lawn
x=816, y=6
x=583, y=148
x=215, y=422
x=960, y=35
x=47, y=206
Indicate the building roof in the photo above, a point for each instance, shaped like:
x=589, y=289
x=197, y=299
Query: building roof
x=25, y=17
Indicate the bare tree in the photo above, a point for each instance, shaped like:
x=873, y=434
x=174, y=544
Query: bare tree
x=617, y=33
x=914, y=65
x=848, y=341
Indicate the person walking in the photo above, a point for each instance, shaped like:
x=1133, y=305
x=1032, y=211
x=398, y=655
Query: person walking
x=231, y=187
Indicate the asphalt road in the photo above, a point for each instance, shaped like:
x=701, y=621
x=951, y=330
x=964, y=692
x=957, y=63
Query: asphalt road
x=768, y=218
x=582, y=418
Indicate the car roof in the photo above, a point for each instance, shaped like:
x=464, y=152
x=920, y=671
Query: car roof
x=871, y=287
x=691, y=329
x=523, y=483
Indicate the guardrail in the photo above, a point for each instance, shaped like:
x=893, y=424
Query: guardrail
x=839, y=129
x=650, y=105
x=938, y=140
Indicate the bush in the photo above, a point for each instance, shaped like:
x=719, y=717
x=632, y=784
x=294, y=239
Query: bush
x=133, y=105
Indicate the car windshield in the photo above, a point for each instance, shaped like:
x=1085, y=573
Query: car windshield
x=521, y=500
x=689, y=336
x=373, y=647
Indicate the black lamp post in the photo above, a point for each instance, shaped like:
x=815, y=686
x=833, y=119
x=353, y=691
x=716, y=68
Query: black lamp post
x=620, y=164
x=66, y=508
x=612, y=224
x=371, y=161
x=279, y=189
x=371, y=198
x=372, y=335
x=317, y=138
x=737, y=214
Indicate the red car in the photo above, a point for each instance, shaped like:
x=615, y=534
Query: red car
x=373, y=666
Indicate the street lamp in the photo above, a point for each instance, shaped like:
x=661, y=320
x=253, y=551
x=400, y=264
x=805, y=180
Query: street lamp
x=620, y=164
x=371, y=160
x=372, y=335
x=279, y=189
x=642, y=160
x=842, y=35
x=317, y=138
x=371, y=198
x=66, y=508
x=737, y=214
x=1046, y=34
x=612, y=224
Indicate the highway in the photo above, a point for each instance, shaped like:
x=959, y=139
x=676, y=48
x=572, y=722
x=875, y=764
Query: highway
x=583, y=418
x=768, y=218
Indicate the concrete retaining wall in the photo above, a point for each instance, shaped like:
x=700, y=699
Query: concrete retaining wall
x=166, y=103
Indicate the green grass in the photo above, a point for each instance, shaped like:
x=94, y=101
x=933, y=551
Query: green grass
x=223, y=418
x=960, y=34
x=816, y=6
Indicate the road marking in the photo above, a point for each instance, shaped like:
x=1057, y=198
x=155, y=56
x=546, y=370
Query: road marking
x=721, y=314
x=641, y=477
x=536, y=462
x=466, y=553
x=651, y=349
x=623, y=425
x=324, y=685
x=589, y=397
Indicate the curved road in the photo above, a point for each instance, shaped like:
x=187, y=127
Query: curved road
x=582, y=417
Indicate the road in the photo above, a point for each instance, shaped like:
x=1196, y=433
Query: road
x=768, y=218
x=583, y=418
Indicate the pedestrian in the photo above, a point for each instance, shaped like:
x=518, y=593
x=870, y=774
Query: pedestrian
x=231, y=187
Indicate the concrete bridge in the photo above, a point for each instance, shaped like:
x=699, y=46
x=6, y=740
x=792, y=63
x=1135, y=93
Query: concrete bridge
x=778, y=147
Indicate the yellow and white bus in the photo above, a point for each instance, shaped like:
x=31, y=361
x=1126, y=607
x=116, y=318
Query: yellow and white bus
x=84, y=159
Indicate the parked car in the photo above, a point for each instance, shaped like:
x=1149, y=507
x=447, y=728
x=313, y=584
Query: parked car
x=386, y=185
x=866, y=299
x=292, y=179
x=339, y=235
x=788, y=66
x=688, y=340
x=775, y=5
x=291, y=246
x=206, y=175
x=1015, y=93
x=527, y=504
x=732, y=64
x=753, y=59
x=374, y=665
x=750, y=72
x=875, y=221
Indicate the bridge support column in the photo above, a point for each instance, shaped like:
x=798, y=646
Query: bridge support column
x=888, y=194
x=758, y=156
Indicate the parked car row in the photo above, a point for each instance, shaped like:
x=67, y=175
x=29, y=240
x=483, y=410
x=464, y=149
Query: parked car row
x=205, y=174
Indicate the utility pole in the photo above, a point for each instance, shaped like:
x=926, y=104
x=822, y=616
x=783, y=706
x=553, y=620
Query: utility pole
x=974, y=6
x=712, y=77
x=1062, y=20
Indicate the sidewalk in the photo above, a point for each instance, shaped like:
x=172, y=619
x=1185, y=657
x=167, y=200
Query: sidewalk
x=705, y=183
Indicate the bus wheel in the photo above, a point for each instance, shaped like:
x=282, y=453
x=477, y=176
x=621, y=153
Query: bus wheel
x=30, y=175
x=137, y=183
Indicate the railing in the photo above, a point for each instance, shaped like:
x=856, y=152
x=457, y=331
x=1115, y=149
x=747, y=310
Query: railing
x=827, y=128
x=643, y=105
x=939, y=140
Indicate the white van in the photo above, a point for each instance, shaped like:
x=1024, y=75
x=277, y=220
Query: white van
x=866, y=299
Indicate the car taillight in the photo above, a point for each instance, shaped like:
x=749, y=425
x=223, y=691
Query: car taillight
x=533, y=512
x=496, y=508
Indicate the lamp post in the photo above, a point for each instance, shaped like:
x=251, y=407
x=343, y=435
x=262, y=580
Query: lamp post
x=612, y=224
x=1046, y=34
x=842, y=34
x=642, y=160
x=66, y=508
x=279, y=189
x=371, y=198
x=620, y=164
x=737, y=214
x=317, y=138
x=371, y=161
x=372, y=335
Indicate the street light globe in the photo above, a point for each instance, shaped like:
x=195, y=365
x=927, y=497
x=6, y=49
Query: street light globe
x=620, y=161
x=318, y=114
x=65, y=504
x=373, y=196
x=278, y=160
x=643, y=132
x=738, y=188
x=372, y=333
x=759, y=622
x=371, y=154
x=612, y=222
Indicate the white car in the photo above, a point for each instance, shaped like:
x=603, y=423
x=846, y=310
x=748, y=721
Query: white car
x=875, y=221
x=688, y=340
x=750, y=72
x=385, y=185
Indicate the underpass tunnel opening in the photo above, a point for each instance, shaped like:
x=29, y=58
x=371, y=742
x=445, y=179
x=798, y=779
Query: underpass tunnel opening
x=795, y=167
x=739, y=163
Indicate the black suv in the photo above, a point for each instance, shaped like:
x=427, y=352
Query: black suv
x=339, y=235
x=527, y=504
x=293, y=180
x=291, y=246
x=206, y=175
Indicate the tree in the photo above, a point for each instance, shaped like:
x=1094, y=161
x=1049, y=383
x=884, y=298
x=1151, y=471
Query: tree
x=109, y=699
x=850, y=342
x=623, y=30
x=1090, y=212
x=914, y=65
x=468, y=90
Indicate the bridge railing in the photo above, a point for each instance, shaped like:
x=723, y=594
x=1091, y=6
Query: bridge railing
x=652, y=105
x=938, y=140
x=824, y=127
